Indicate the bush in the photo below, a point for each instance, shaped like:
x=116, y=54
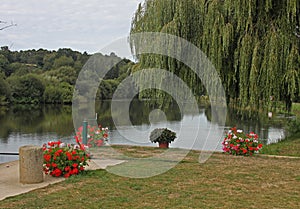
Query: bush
x=26, y=89
x=96, y=136
x=162, y=135
x=237, y=142
x=64, y=160
x=4, y=92
x=53, y=94
x=293, y=127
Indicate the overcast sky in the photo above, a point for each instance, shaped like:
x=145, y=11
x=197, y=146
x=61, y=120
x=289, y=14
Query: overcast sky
x=82, y=25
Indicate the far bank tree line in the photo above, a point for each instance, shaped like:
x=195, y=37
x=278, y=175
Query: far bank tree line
x=43, y=76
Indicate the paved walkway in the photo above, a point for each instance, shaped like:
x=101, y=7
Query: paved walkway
x=9, y=177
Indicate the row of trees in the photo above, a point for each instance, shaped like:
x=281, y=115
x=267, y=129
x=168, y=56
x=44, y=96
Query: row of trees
x=42, y=76
x=253, y=44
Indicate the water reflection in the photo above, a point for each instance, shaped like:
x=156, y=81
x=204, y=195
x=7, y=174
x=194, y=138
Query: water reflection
x=25, y=119
x=21, y=125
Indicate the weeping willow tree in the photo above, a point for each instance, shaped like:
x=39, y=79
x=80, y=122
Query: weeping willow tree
x=254, y=45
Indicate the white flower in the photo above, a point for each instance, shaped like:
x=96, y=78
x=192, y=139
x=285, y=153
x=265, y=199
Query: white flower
x=61, y=145
x=239, y=131
x=235, y=137
x=76, y=146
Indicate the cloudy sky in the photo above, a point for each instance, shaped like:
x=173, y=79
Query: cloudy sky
x=83, y=25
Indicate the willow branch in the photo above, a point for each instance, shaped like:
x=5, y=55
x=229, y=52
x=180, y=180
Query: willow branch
x=7, y=26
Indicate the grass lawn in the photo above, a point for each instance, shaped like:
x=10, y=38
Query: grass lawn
x=286, y=147
x=296, y=109
x=223, y=181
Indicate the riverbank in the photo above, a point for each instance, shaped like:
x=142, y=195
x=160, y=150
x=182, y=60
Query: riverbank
x=223, y=181
x=290, y=146
x=287, y=147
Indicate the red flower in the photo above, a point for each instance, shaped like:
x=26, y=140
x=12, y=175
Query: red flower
x=69, y=155
x=82, y=147
x=75, y=165
x=57, y=172
x=58, y=152
x=54, y=165
x=76, y=157
x=99, y=143
x=260, y=146
x=75, y=171
x=78, y=140
x=47, y=157
x=233, y=128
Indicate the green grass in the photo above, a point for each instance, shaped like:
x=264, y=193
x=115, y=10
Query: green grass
x=287, y=147
x=296, y=109
x=223, y=181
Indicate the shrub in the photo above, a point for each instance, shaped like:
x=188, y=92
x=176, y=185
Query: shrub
x=293, y=126
x=162, y=135
x=96, y=136
x=64, y=160
x=237, y=142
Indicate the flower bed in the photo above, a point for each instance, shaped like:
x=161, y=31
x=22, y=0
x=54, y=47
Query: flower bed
x=237, y=142
x=62, y=159
x=96, y=136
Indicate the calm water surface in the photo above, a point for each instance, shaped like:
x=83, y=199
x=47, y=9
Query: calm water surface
x=23, y=125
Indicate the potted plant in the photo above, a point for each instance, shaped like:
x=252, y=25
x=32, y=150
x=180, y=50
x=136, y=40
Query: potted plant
x=163, y=136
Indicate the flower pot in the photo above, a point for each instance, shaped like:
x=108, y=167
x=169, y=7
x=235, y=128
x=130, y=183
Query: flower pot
x=163, y=144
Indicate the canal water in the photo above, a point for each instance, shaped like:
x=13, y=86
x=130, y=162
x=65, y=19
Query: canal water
x=24, y=125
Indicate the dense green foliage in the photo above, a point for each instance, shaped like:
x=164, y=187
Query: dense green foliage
x=253, y=44
x=42, y=76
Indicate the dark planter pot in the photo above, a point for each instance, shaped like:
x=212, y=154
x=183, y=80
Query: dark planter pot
x=163, y=144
